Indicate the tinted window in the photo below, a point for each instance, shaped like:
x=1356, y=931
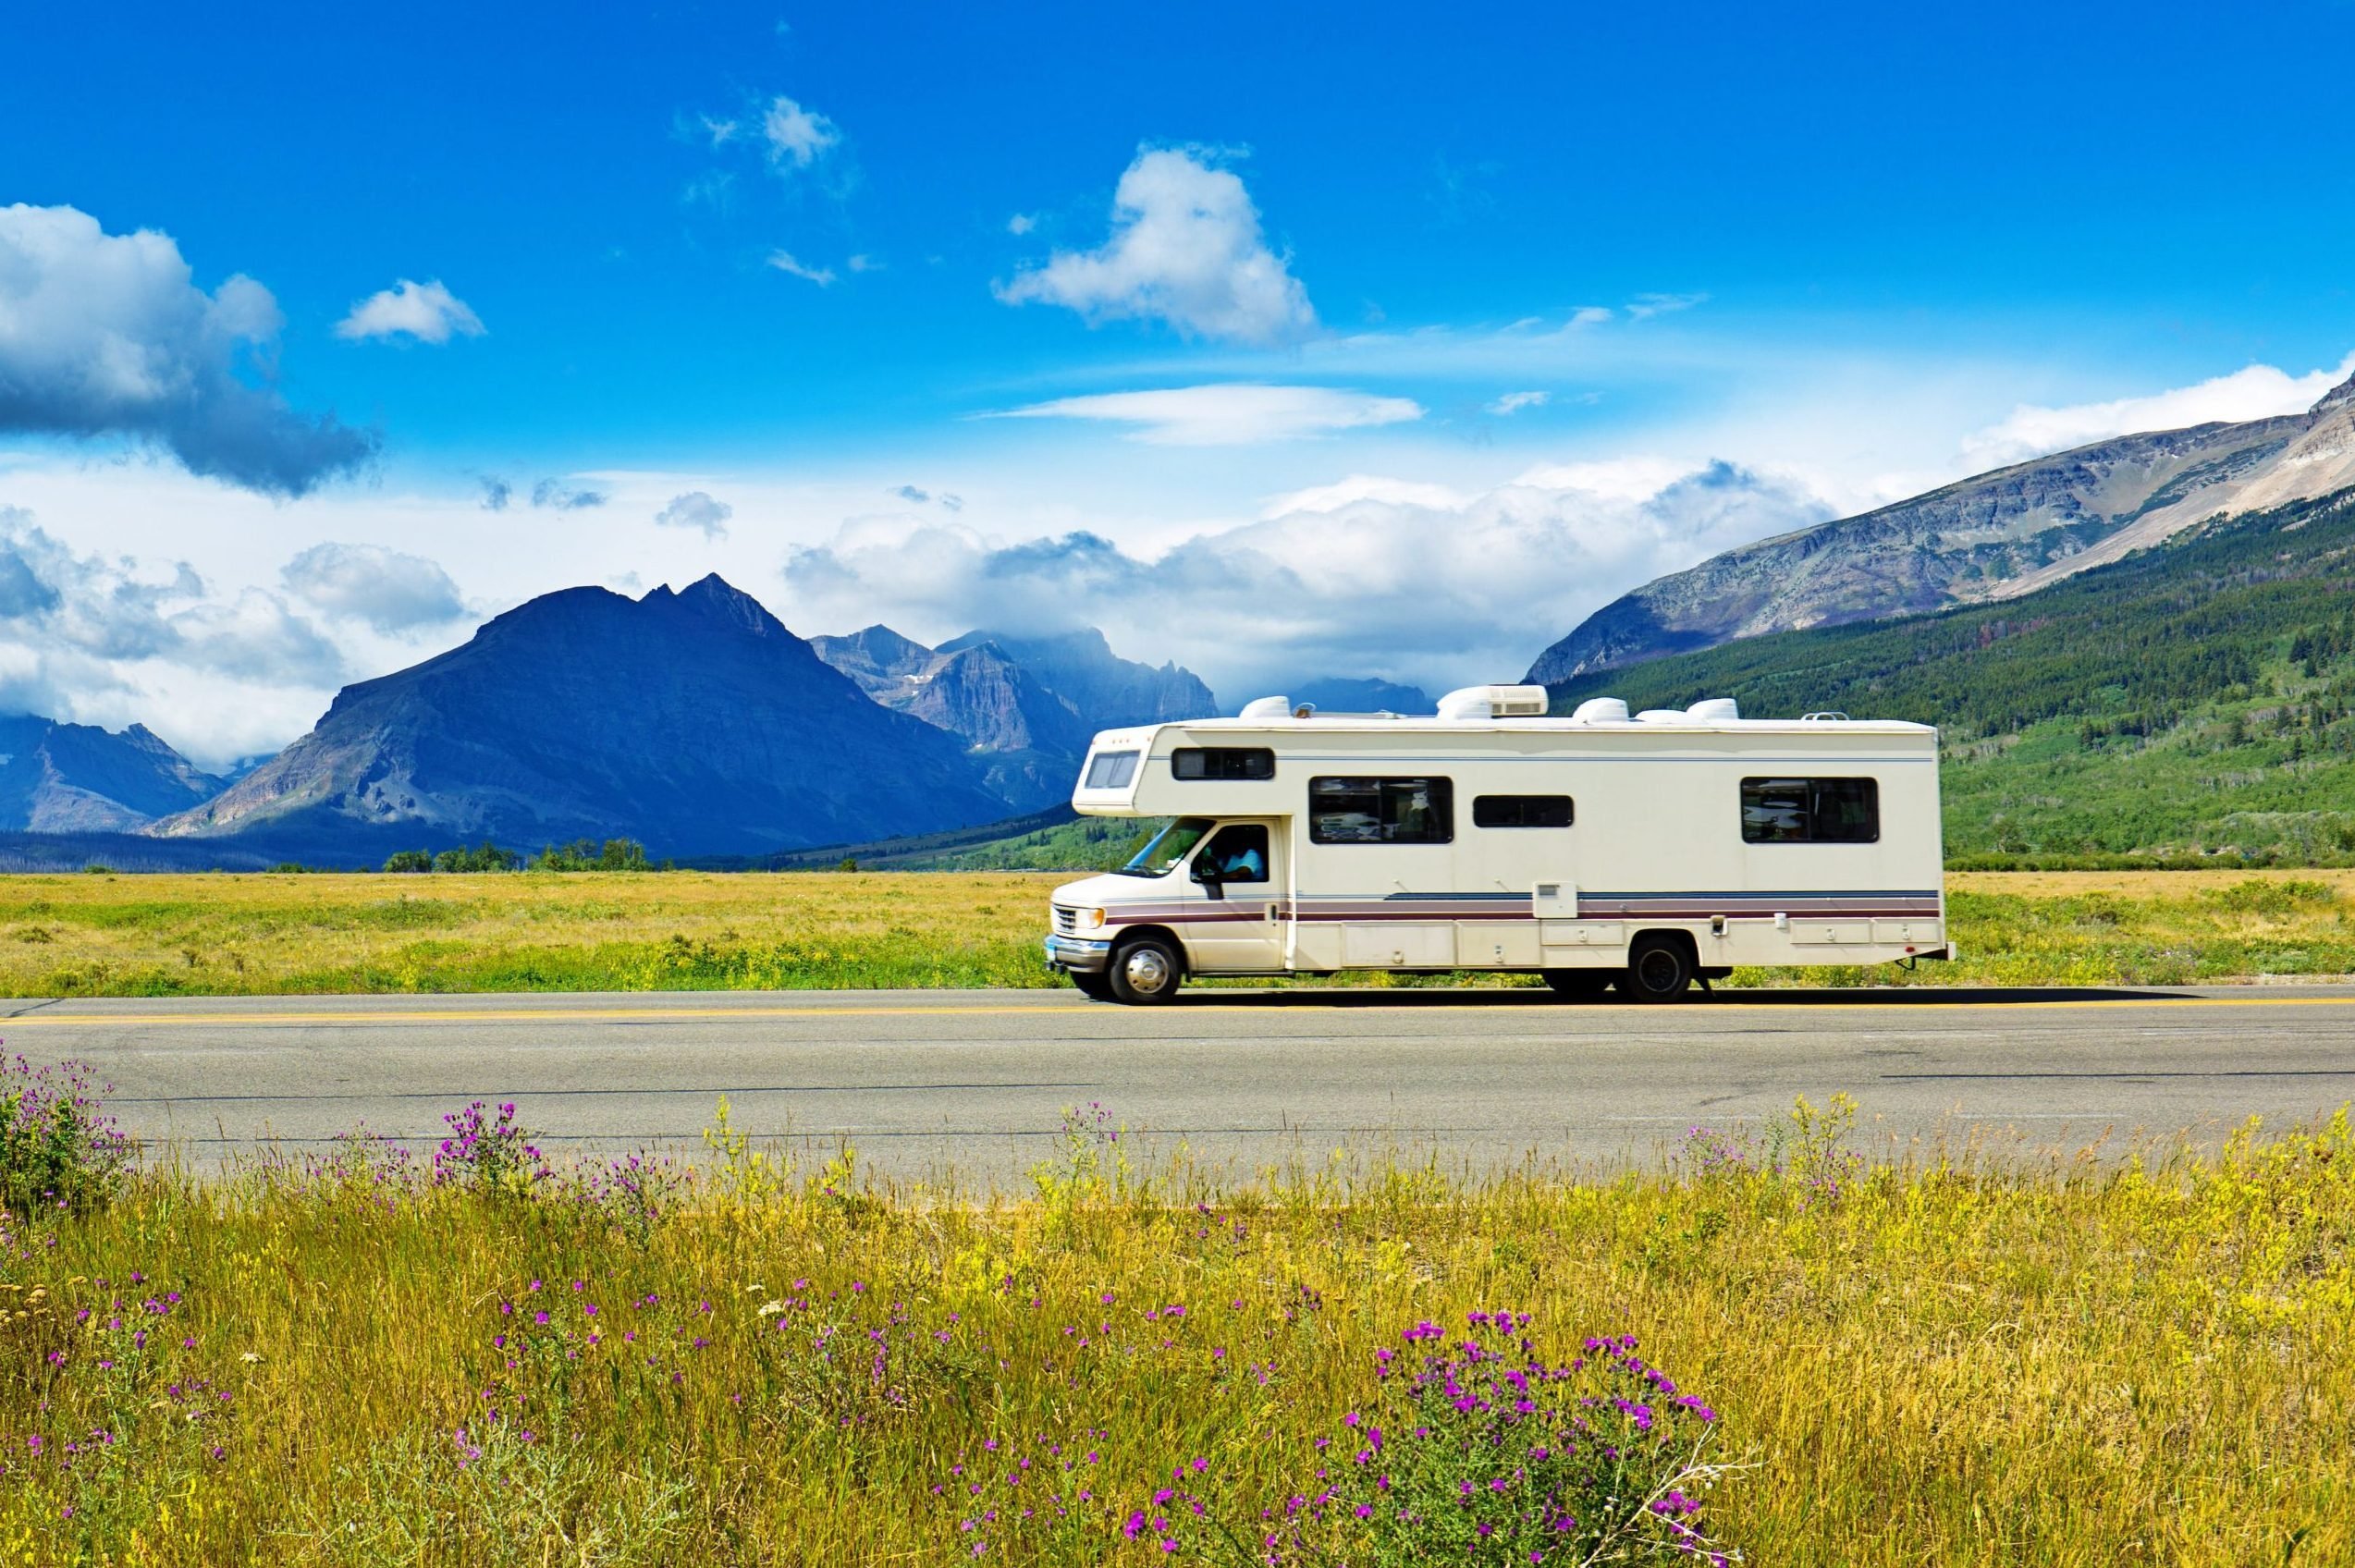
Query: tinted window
x=1810, y=811
x=1222, y=762
x=1381, y=811
x=1239, y=853
x=1111, y=770
x=1521, y=811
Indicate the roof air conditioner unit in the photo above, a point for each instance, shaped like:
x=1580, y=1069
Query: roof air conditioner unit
x=1494, y=702
x=1602, y=710
x=1715, y=710
x=1266, y=707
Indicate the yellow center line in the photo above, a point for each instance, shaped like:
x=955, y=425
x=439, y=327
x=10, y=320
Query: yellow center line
x=690, y=1014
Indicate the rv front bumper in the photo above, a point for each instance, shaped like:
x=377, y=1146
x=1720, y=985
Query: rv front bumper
x=1077, y=955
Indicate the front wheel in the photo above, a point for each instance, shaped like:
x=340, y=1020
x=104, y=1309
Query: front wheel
x=1145, y=970
x=1095, y=987
x=1660, y=969
x=1580, y=984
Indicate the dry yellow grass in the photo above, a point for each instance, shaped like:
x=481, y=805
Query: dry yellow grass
x=192, y=935
x=1936, y=1361
x=93, y=934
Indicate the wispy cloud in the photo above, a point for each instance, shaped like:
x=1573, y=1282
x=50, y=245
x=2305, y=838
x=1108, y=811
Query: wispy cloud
x=1514, y=402
x=1644, y=306
x=557, y=496
x=784, y=261
x=1228, y=414
x=797, y=137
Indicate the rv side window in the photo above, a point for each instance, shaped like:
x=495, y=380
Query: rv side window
x=1521, y=811
x=1222, y=762
x=1111, y=770
x=1810, y=811
x=1381, y=811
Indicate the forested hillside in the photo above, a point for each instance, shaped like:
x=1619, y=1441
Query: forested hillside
x=2195, y=699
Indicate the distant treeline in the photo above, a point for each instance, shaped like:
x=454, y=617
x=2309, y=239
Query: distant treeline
x=581, y=854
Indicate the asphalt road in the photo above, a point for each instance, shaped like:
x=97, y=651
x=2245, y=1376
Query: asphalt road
x=973, y=1083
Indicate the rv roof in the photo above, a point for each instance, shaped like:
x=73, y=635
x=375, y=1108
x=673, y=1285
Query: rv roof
x=1680, y=725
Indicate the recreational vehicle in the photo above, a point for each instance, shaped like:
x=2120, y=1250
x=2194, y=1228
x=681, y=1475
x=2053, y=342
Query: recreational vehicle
x=1637, y=855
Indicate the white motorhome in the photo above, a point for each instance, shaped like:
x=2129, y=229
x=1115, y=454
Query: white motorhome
x=1605, y=852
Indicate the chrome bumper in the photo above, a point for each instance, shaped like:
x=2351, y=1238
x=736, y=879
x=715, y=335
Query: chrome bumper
x=1077, y=955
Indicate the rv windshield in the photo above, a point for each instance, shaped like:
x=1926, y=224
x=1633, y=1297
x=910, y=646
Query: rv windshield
x=1171, y=845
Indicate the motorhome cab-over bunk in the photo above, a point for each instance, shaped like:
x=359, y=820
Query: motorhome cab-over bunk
x=1635, y=854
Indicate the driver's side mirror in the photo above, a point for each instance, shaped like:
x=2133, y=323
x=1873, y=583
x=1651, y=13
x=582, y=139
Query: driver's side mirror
x=1213, y=883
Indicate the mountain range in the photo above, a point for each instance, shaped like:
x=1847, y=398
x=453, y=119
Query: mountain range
x=1995, y=536
x=2123, y=589
x=78, y=779
x=1027, y=707
x=694, y=721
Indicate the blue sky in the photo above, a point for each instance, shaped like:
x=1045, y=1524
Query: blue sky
x=1398, y=288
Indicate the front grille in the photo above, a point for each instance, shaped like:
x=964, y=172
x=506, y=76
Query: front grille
x=1066, y=921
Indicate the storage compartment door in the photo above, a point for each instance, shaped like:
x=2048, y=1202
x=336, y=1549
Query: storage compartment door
x=1398, y=945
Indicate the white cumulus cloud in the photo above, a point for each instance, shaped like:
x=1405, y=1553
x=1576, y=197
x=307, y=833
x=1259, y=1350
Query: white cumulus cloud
x=2251, y=392
x=391, y=590
x=88, y=637
x=108, y=335
x=1229, y=414
x=1186, y=249
x=1392, y=578
x=697, y=511
x=428, y=313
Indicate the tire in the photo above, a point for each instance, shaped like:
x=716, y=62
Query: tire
x=1095, y=987
x=1580, y=984
x=1660, y=969
x=1145, y=970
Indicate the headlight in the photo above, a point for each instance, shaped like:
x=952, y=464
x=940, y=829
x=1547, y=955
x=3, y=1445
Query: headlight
x=1089, y=919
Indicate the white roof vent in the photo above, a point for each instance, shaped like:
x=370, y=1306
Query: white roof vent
x=1715, y=710
x=1494, y=702
x=1662, y=715
x=1266, y=707
x=1601, y=710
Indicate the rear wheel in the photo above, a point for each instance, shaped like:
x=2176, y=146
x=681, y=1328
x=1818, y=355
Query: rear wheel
x=1145, y=970
x=1580, y=984
x=1096, y=987
x=1660, y=969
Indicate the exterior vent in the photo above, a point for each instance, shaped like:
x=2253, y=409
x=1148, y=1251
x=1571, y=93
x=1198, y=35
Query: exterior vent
x=1266, y=707
x=1602, y=710
x=1715, y=710
x=1662, y=715
x=1494, y=702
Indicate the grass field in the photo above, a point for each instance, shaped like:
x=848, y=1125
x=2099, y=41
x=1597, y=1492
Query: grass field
x=96, y=934
x=1927, y=1356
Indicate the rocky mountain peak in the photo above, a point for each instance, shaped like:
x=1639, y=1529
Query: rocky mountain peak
x=1996, y=536
x=693, y=720
x=2339, y=396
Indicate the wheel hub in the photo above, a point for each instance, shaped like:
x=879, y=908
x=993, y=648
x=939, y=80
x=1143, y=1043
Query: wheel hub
x=1147, y=970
